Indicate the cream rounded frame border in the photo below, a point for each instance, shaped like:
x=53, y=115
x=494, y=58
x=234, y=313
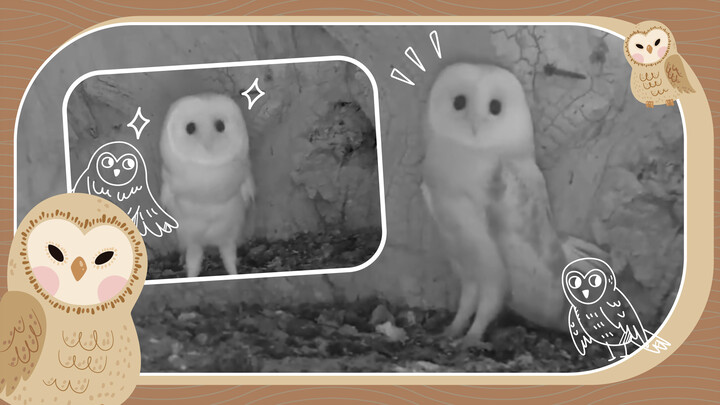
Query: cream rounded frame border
x=698, y=179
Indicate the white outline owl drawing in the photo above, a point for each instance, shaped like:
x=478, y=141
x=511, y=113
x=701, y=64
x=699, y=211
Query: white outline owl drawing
x=122, y=179
x=600, y=312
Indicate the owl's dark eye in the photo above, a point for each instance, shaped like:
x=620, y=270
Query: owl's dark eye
x=219, y=125
x=459, y=102
x=128, y=164
x=104, y=257
x=657, y=42
x=56, y=253
x=595, y=280
x=107, y=162
x=190, y=128
x=574, y=282
x=639, y=46
x=495, y=107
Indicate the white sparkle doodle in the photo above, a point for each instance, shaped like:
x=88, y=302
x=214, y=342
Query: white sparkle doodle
x=256, y=91
x=138, y=117
x=601, y=313
x=121, y=177
x=412, y=55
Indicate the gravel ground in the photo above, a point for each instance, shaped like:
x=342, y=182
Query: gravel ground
x=363, y=336
x=333, y=248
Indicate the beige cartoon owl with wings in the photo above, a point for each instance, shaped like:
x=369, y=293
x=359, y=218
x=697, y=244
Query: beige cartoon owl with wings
x=658, y=72
x=76, y=267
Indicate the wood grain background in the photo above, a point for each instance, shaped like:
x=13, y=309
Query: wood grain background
x=30, y=31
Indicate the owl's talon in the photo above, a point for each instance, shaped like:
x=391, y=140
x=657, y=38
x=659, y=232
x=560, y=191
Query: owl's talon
x=474, y=342
x=649, y=104
x=670, y=102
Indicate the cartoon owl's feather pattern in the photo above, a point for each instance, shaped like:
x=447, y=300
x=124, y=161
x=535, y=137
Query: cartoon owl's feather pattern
x=126, y=186
x=675, y=71
x=658, y=71
x=600, y=312
x=22, y=330
x=66, y=331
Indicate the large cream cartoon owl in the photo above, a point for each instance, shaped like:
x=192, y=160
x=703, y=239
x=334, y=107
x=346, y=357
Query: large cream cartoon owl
x=658, y=71
x=489, y=201
x=207, y=179
x=76, y=267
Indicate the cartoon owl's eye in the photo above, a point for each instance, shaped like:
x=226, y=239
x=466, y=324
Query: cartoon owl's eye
x=639, y=46
x=595, y=280
x=128, y=164
x=104, y=257
x=459, y=102
x=574, y=282
x=107, y=162
x=56, y=253
x=657, y=42
x=190, y=128
x=219, y=125
x=495, y=107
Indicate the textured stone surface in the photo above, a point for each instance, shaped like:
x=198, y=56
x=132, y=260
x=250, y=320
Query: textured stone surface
x=614, y=168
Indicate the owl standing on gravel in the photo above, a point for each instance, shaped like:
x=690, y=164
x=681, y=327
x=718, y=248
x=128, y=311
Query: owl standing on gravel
x=658, y=71
x=76, y=267
x=207, y=181
x=489, y=200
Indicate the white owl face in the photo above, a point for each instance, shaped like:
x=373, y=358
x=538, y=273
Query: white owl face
x=117, y=171
x=80, y=268
x=480, y=106
x=586, y=288
x=648, y=48
x=206, y=128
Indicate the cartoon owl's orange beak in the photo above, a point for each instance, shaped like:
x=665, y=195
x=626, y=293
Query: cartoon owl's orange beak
x=78, y=268
x=649, y=48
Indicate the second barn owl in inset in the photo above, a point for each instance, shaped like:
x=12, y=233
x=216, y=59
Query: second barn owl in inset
x=658, y=71
x=207, y=181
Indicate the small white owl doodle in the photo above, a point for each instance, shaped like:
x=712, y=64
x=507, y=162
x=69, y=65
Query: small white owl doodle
x=118, y=173
x=601, y=313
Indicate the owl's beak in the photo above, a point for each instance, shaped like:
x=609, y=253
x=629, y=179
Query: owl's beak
x=649, y=48
x=586, y=293
x=116, y=172
x=78, y=268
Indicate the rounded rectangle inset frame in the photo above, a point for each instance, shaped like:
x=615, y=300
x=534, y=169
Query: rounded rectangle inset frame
x=266, y=62
x=696, y=120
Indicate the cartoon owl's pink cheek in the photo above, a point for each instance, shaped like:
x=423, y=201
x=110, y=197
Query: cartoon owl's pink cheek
x=47, y=278
x=110, y=286
x=662, y=50
x=638, y=58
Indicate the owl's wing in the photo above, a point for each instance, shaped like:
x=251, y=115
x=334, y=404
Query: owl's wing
x=146, y=213
x=619, y=312
x=580, y=339
x=675, y=71
x=428, y=198
x=22, y=326
x=530, y=245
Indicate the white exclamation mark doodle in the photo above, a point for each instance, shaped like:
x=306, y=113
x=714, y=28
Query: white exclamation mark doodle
x=412, y=55
x=436, y=43
x=398, y=75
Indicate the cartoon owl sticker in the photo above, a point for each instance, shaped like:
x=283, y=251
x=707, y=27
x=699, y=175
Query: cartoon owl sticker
x=658, y=71
x=117, y=171
x=600, y=313
x=76, y=267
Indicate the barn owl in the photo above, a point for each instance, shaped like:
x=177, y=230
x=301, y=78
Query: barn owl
x=76, y=267
x=207, y=181
x=600, y=312
x=117, y=171
x=488, y=198
x=658, y=71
